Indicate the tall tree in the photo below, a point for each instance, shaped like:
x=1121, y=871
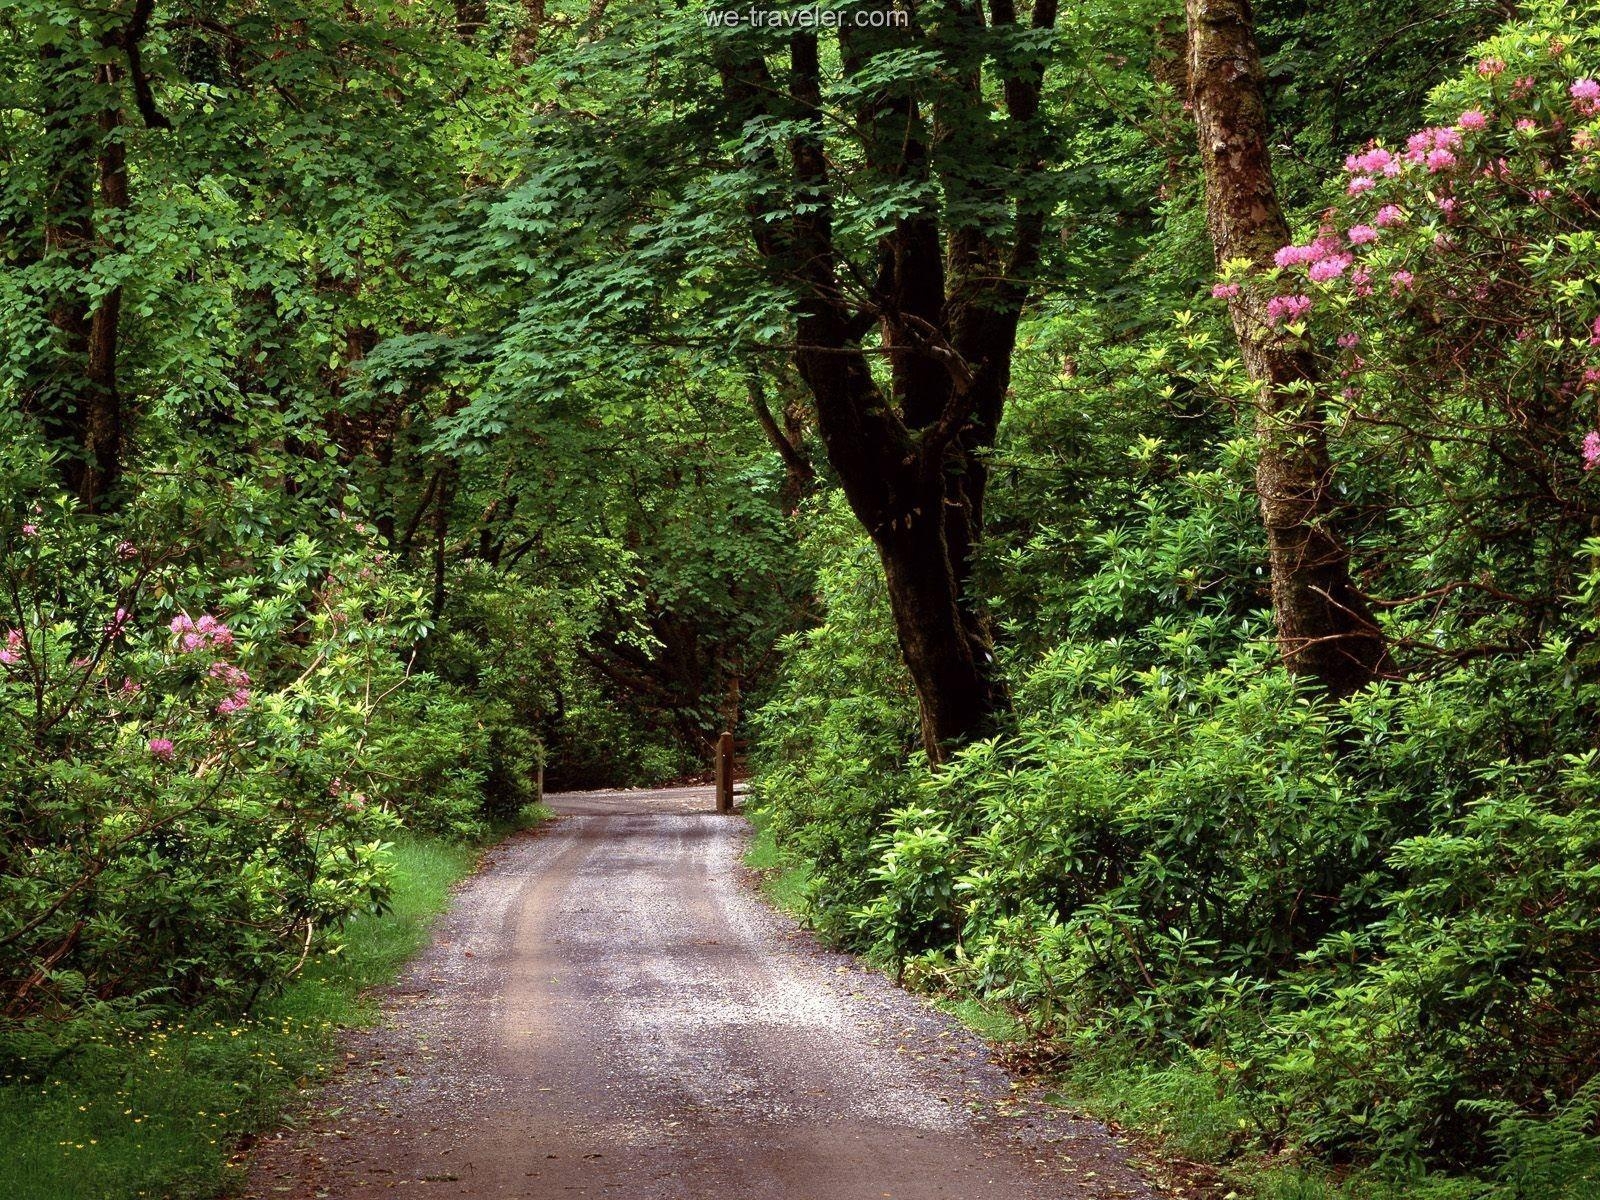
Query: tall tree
x=80, y=403
x=934, y=292
x=1325, y=627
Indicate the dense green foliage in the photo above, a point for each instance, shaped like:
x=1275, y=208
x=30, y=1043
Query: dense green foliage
x=1367, y=926
x=354, y=568
x=105, y=1106
x=405, y=403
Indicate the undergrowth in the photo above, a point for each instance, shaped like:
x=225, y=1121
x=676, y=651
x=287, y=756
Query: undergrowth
x=121, y=1103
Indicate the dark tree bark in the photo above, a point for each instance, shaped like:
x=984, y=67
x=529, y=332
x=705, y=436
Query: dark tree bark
x=944, y=298
x=525, y=44
x=82, y=405
x=1325, y=626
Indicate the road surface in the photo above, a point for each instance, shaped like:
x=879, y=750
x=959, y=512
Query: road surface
x=609, y=1010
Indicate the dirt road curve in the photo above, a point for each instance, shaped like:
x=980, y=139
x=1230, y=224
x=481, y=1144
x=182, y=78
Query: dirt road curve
x=609, y=1011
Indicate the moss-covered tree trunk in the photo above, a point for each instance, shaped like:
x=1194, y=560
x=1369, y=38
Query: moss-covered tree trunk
x=1325, y=626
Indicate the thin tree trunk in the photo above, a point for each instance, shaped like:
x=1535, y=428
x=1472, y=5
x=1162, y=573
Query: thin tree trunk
x=81, y=403
x=441, y=530
x=103, y=427
x=1325, y=628
x=787, y=440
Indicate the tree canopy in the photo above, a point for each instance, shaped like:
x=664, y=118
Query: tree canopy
x=1125, y=472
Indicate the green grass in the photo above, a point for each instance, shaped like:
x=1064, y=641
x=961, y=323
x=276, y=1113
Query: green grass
x=110, y=1109
x=783, y=880
x=1182, y=1117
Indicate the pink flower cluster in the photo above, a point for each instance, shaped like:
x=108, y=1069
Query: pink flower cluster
x=1434, y=148
x=12, y=653
x=1326, y=246
x=236, y=701
x=161, y=748
x=1373, y=161
x=1591, y=450
x=198, y=635
x=237, y=681
x=118, y=622
x=1225, y=291
x=1281, y=309
x=1324, y=270
x=1585, y=95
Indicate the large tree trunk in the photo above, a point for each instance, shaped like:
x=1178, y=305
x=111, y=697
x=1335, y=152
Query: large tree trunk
x=946, y=296
x=1325, y=627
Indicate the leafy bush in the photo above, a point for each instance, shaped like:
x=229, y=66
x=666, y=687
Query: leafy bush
x=1368, y=926
x=842, y=721
x=201, y=763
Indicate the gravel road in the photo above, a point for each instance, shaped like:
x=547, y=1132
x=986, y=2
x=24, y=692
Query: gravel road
x=609, y=1010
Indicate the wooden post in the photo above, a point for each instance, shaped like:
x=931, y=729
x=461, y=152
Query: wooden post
x=725, y=773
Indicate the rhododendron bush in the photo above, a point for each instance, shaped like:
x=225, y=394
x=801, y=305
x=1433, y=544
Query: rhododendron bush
x=1369, y=927
x=187, y=804
x=1455, y=287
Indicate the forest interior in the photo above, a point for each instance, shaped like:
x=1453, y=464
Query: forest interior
x=1124, y=471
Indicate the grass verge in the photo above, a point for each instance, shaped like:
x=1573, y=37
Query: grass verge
x=1197, y=1140
x=783, y=880
x=115, y=1108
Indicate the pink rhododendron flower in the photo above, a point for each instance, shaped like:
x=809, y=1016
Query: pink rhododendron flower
x=129, y=687
x=1224, y=291
x=1583, y=140
x=1328, y=268
x=1523, y=87
x=1287, y=308
x=1440, y=160
x=1360, y=235
x=1490, y=67
x=1472, y=119
x=1527, y=125
x=235, y=702
x=1350, y=340
x=1361, y=281
x=161, y=748
x=197, y=635
x=1374, y=161
x=1447, y=205
x=1401, y=281
x=30, y=530
x=1591, y=449
x=1295, y=256
x=1585, y=95
x=1540, y=195
x=1361, y=183
x=12, y=651
x=1389, y=215
x=118, y=622
x=230, y=675
x=1594, y=333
